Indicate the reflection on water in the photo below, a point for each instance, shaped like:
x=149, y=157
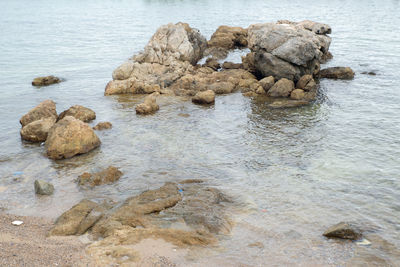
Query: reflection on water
x=299, y=170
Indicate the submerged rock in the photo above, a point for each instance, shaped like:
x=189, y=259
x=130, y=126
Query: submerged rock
x=288, y=103
x=46, y=109
x=149, y=105
x=37, y=131
x=43, y=81
x=70, y=137
x=43, y=188
x=281, y=88
x=227, y=37
x=344, y=73
x=79, y=112
x=230, y=65
x=205, y=97
x=107, y=176
x=343, y=230
x=103, y=126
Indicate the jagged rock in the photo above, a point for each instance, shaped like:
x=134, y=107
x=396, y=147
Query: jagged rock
x=43, y=81
x=344, y=73
x=79, y=112
x=205, y=97
x=43, y=188
x=107, y=176
x=267, y=83
x=70, y=137
x=281, y=88
x=103, y=126
x=212, y=63
x=344, y=230
x=227, y=37
x=297, y=94
x=288, y=103
x=230, y=65
x=38, y=130
x=149, y=105
x=46, y=109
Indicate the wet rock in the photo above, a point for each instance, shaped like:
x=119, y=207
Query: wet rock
x=70, y=137
x=43, y=81
x=267, y=83
x=107, y=176
x=344, y=73
x=79, y=112
x=297, y=94
x=43, y=188
x=103, y=126
x=230, y=65
x=212, y=63
x=37, y=131
x=288, y=103
x=369, y=73
x=281, y=88
x=343, y=230
x=46, y=109
x=205, y=97
x=149, y=105
x=227, y=37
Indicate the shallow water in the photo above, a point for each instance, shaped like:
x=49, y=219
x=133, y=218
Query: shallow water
x=300, y=170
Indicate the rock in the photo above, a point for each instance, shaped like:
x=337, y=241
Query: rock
x=345, y=73
x=326, y=57
x=212, y=63
x=281, y=88
x=230, y=65
x=316, y=27
x=288, y=104
x=46, y=109
x=297, y=94
x=70, y=137
x=303, y=81
x=227, y=37
x=267, y=83
x=205, y=97
x=311, y=86
x=260, y=91
x=48, y=80
x=222, y=87
x=103, y=126
x=37, y=131
x=107, y=176
x=369, y=73
x=344, y=231
x=79, y=112
x=43, y=188
x=149, y=105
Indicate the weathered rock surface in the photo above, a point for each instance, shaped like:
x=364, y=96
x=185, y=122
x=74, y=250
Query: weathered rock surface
x=46, y=109
x=205, y=97
x=344, y=73
x=281, y=88
x=70, y=137
x=38, y=130
x=149, y=105
x=228, y=37
x=343, y=230
x=107, y=176
x=102, y=126
x=43, y=81
x=79, y=112
x=297, y=94
x=303, y=81
x=267, y=83
x=43, y=188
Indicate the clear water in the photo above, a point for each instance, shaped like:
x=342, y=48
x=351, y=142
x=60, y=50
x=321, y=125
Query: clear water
x=301, y=170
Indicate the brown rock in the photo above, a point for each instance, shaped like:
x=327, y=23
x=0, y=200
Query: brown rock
x=303, y=81
x=46, y=109
x=222, y=87
x=281, y=88
x=267, y=83
x=149, y=105
x=230, y=65
x=289, y=103
x=37, y=131
x=205, y=97
x=107, y=176
x=344, y=231
x=212, y=63
x=103, y=126
x=344, y=73
x=79, y=112
x=70, y=137
x=43, y=81
x=228, y=37
x=297, y=94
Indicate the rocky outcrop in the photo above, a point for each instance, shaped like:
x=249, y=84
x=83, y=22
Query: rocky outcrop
x=46, y=109
x=149, y=105
x=79, y=112
x=43, y=81
x=43, y=188
x=38, y=130
x=205, y=97
x=107, y=176
x=281, y=88
x=102, y=126
x=344, y=73
x=70, y=137
x=343, y=230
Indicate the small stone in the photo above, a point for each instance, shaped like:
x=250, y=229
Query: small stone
x=43, y=81
x=103, y=126
x=205, y=97
x=343, y=230
x=149, y=105
x=43, y=188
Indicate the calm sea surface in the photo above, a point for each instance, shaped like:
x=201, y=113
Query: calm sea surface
x=298, y=171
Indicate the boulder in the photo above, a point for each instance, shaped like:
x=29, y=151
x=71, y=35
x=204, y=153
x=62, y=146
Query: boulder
x=103, y=126
x=303, y=81
x=70, y=137
x=37, y=131
x=205, y=97
x=281, y=88
x=344, y=73
x=343, y=230
x=267, y=83
x=46, y=109
x=149, y=105
x=297, y=94
x=107, y=176
x=43, y=188
x=43, y=81
x=79, y=112
x=227, y=37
